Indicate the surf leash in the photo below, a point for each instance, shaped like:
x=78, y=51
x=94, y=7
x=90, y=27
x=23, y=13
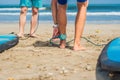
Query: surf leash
x=67, y=43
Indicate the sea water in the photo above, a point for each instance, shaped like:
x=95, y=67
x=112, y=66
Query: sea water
x=96, y=13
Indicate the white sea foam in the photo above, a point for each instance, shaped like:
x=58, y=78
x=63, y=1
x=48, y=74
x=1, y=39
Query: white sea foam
x=68, y=13
x=18, y=9
x=104, y=13
x=98, y=13
x=9, y=9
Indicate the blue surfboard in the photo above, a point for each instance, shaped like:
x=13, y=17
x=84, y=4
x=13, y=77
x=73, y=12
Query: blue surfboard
x=7, y=41
x=110, y=56
x=109, y=61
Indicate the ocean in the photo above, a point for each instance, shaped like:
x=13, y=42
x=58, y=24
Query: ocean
x=96, y=13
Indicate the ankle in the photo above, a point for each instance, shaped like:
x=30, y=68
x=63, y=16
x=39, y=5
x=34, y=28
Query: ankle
x=21, y=34
x=62, y=36
x=78, y=47
x=76, y=43
x=62, y=44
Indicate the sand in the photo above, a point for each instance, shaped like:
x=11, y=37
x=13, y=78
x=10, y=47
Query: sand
x=36, y=59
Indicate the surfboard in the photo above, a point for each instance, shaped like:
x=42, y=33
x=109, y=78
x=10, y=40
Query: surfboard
x=8, y=41
x=110, y=56
x=109, y=61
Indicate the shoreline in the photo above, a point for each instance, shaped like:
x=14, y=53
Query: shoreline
x=69, y=22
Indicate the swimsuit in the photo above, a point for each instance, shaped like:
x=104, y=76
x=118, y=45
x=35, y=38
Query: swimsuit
x=62, y=2
x=31, y=3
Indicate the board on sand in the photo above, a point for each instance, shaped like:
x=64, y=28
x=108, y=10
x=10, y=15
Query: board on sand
x=108, y=65
x=7, y=41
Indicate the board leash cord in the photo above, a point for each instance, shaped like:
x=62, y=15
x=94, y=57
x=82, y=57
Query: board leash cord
x=88, y=40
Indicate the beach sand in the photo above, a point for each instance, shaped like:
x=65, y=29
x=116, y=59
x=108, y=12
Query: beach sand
x=36, y=59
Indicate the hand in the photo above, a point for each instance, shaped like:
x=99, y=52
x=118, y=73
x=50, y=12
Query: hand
x=55, y=32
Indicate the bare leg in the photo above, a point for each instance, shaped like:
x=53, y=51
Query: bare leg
x=62, y=21
x=79, y=25
x=54, y=10
x=54, y=15
x=22, y=21
x=34, y=21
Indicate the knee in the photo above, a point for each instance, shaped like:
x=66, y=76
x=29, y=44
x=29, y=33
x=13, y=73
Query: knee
x=35, y=11
x=23, y=10
x=82, y=4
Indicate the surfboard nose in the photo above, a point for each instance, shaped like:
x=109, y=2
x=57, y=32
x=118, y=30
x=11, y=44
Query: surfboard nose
x=113, y=51
x=7, y=41
x=109, y=61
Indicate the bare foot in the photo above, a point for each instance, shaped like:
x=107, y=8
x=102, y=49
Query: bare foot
x=55, y=32
x=20, y=35
x=33, y=36
x=56, y=39
x=62, y=44
x=77, y=48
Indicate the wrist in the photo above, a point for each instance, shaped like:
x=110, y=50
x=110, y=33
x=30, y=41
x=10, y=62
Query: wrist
x=55, y=25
